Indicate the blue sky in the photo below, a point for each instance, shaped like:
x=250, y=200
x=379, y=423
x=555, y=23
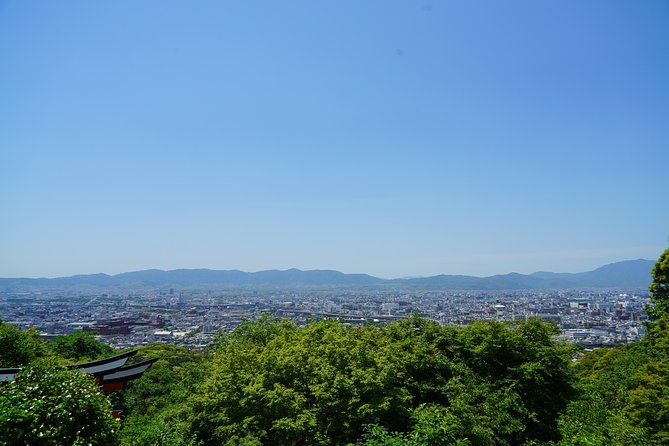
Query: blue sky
x=393, y=138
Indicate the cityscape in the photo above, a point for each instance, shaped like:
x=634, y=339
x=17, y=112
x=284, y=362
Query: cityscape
x=192, y=318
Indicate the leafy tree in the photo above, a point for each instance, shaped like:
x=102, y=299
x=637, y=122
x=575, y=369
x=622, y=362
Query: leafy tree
x=526, y=372
x=491, y=383
x=376, y=435
x=316, y=385
x=153, y=406
x=80, y=346
x=598, y=415
x=648, y=404
x=20, y=347
x=165, y=428
x=54, y=406
x=434, y=426
x=169, y=380
x=659, y=288
x=624, y=391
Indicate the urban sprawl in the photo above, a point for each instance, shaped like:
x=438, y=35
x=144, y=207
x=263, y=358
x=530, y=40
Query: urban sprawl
x=192, y=318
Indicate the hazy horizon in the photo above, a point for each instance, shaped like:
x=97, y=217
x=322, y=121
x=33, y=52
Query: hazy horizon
x=383, y=137
x=314, y=269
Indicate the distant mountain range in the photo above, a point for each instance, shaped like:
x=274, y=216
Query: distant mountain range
x=628, y=274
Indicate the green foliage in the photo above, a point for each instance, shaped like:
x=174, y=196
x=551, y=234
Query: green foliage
x=54, y=406
x=649, y=402
x=434, y=426
x=623, y=392
x=598, y=415
x=20, y=347
x=489, y=383
x=659, y=289
x=169, y=380
x=80, y=346
x=160, y=429
x=526, y=379
x=376, y=435
x=154, y=413
x=311, y=386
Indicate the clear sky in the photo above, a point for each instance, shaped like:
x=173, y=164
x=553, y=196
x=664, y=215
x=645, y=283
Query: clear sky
x=393, y=138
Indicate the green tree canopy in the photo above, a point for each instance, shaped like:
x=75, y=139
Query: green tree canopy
x=80, y=346
x=623, y=392
x=53, y=406
x=154, y=406
x=274, y=383
x=598, y=416
x=20, y=347
x=659, y=289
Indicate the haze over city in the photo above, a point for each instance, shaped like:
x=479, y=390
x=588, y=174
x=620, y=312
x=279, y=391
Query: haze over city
x=382, y=137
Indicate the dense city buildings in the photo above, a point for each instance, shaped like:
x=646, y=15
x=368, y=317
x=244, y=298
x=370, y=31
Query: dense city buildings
x=191, y=318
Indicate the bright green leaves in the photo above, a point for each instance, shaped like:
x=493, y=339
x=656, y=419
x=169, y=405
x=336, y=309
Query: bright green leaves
x=80, y=346
x=154, y=406
x=623, y=392
x=599, y=413
x=659, y=289
x=649, y=403
x=53, y=406
x=20, y=347
x=433, y=426
x=489, y=383
x=315, y=385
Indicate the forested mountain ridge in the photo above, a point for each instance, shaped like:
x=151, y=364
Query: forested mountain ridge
x=627, y=274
